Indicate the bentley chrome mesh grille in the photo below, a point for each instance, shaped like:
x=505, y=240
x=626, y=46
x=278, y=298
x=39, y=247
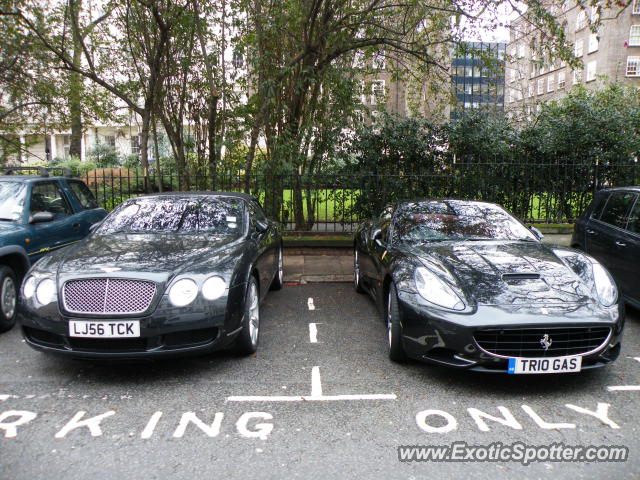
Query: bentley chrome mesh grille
x=108, y=296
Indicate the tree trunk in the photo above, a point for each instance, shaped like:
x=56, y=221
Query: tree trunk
x=144, y=149
x=75, y=85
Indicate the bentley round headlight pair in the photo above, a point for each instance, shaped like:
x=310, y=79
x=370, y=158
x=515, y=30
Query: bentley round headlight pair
x=185, y=290
x=45, y=290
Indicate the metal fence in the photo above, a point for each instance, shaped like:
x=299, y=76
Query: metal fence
x=540, y=193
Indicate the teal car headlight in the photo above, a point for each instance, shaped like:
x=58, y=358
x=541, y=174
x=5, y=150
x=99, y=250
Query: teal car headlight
x=183, y=292
x=46, y=291
x=213, y=288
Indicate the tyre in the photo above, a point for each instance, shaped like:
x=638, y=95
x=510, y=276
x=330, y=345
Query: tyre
x=8, y=298
x=394, y=327
x=278, y=280
x=247, y=341
x=357, y=278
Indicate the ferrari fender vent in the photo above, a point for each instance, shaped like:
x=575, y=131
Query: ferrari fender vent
x=542, y=342
x=108, y=296
x=520, y=276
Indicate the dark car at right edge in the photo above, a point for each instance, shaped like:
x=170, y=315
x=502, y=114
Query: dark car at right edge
x=609, y=230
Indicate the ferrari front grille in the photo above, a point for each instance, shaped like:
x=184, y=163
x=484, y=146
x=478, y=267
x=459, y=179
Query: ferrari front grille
x=108, y=296
x=542, y=342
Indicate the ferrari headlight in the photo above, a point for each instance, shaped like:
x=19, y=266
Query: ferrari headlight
x=46, y=291
x=29, y=287
x=183, y=292
x=213, y=288
x=605, y=287
x=434, y=290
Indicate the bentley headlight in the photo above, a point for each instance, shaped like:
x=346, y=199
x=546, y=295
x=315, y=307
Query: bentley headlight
x=434, y=290
x=29, y=287
x=46, y=291
x=183, y=292
x=213, y=288
x=605, y=287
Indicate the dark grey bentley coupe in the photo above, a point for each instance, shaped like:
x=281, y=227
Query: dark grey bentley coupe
x=168, y=274
x=464, y=284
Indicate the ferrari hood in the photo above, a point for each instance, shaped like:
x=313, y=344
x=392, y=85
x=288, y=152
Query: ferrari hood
x=508, y=273
x=132, y=253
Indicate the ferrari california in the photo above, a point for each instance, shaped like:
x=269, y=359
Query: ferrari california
x=465, y=284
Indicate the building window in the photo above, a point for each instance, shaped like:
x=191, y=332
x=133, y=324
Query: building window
x=634, y=36
x=518, y=94
x=595, y=15
x=379, y=61
x=521, y=50
x=581, y=20
x=561, y=80
x=577, y=76
x=358, y=59
x=635, y=9
x=591, y=71
x=541, y=86
x=510, y=96
x=512, y=76
x=593, y=42
x=551, y=80
x=578, y=48
x=377, y=92
x=110, y=141
x=238, y=59
x=66, y=143
x=633, y=66
x=135, y=144
x=531, y=90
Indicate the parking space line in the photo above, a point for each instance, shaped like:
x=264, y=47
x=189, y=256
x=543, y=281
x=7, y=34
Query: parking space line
x=316, y=384
x=313, y=333
x=310, y=304
x=624, y=388
x=316, y=394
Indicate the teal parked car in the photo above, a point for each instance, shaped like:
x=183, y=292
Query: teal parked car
x=38, y=214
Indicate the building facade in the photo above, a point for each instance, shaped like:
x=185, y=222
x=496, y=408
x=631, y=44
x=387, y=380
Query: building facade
x=606, y=40
x=478, y=77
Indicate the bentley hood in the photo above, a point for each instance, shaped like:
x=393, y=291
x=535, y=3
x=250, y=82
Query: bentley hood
x=155, y=255
x=506, y=273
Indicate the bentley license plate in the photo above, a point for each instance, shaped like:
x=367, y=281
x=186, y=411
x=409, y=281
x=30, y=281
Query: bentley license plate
x=116, y=329
x=545, y=365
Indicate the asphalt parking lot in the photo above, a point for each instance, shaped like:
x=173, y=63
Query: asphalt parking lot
x=319, y=400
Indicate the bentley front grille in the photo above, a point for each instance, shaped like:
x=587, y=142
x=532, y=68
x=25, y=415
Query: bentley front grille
x=542, y=342
x=108, y=296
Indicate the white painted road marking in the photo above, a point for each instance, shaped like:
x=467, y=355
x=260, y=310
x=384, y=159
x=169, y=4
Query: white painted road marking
x=316, y=394
x=310, y=304
x=624, y=388
x=4, y=397
x=313, y=333
x=316, y=384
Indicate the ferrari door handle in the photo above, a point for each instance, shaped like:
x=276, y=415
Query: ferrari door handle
x=621, y=244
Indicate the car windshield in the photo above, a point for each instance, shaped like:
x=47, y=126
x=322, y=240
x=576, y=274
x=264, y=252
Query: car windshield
x=456, y=220
x=12, y=196
x=196, y=214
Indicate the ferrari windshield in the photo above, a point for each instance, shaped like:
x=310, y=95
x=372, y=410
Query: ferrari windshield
x=455, y=220
x=12, y=196
x=188, y=214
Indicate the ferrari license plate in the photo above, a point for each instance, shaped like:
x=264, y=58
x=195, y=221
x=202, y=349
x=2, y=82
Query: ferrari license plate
x=116, y=329
x=545, y=365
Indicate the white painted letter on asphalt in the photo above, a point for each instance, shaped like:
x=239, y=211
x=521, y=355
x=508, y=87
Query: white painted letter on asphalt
x=93, y=424
x=546, y=425
x=151, y=425
x=190, y=417
x=508, y=420
x=421, y=420
x=10, y=428
x=261, y=430
x=601, y=413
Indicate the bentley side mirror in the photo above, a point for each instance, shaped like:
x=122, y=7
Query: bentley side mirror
x=41, y=217
x=536, y=232
x=261, y=226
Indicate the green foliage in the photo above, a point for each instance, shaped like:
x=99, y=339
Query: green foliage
x=74, y=165
x=103, y=155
